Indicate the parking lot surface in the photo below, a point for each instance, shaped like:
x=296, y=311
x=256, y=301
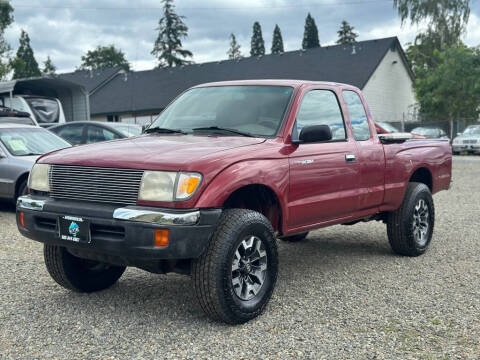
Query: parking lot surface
x=340, y=294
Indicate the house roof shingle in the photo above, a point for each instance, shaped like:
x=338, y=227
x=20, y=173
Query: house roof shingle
x=91, y=79
x=154, y=89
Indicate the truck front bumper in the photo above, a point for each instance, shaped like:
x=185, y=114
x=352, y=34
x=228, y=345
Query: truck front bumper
x=126, y=232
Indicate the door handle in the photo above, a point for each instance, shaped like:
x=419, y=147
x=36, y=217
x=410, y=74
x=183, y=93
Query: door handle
x=349, y=157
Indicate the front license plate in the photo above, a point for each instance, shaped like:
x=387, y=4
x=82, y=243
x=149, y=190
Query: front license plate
x=73, y=228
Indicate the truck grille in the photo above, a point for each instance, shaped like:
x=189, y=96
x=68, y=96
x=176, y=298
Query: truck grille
x=95, y=184
x=472, y=141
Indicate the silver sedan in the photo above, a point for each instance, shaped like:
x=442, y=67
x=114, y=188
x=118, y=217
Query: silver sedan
x=20, y=146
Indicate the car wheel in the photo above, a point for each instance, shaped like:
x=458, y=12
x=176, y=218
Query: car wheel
x=235, y=277
x=410, y=228
x=22, y=189
x=79, y=274
x=295, y=238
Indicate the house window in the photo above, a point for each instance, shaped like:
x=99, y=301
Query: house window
x=113, y=118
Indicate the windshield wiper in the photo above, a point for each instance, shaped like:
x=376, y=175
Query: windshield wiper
x=221, y=129
x=30, y=154
x=160, y=130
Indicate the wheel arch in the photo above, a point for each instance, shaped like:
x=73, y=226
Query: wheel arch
x=260, y=198
x=422, y=175
x=23, y=177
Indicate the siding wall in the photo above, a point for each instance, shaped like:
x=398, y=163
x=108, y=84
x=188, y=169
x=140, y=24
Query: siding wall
x=389, y=92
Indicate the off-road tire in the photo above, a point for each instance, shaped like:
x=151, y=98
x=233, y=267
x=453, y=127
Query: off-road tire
x=212, y=272
x=400, y=223
x=295, y=238
x=78, y=274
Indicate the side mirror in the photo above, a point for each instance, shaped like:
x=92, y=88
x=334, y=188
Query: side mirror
x=315, y=133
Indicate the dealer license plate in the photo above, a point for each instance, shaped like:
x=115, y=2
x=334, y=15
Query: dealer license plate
x=73, y=228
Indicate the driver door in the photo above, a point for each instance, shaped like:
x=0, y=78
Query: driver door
x=324, y=175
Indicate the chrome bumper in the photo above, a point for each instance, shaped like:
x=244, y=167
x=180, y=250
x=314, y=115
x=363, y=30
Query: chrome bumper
x=129, y=213
x=27, y=202
x=157, y=217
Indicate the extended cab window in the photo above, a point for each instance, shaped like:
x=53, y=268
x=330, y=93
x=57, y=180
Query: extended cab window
x=320, y=107
x=358, y=117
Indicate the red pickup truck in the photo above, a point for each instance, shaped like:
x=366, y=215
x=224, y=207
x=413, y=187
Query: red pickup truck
x=224, y=171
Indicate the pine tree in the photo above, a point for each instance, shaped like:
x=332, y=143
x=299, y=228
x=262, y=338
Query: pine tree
x=310, y=35
x=277, y=41
x=257, y=43
x=234, y=51
x=24, y=65
x=168, y=46
x=6, y=18
x=49, y=69
x=346, y=35
x=104, y=57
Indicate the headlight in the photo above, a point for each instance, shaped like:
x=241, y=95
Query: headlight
x=168, y=186
x=38, y=179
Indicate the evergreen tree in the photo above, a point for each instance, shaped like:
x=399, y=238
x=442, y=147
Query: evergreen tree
x=277, y=41
x=24, y=65
x=49, y=69
x=346, y=35
x=6, y=18
x=104, y=57
x=257, y=43
x=310, y=35
x=171, y=30
x=234, y=51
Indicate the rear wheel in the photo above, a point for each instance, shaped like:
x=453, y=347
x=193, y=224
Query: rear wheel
x=236, y=275
x=79, y=274
x=410, y=228
x=295, y=238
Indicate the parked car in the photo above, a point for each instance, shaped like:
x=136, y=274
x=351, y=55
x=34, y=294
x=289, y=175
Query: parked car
x=10, y=116
x=86, y=132
x=468, y=141
x=430, y=132
x=223, y=171
x=20, y=146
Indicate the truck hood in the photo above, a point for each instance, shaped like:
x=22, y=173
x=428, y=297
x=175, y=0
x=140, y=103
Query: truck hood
x=153, y=151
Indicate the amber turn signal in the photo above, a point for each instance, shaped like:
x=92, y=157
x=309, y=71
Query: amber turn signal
x=21, y=218
x=161, y=237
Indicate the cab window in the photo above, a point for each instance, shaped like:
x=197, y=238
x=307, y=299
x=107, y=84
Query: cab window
x=321, y=107
x=358, y=117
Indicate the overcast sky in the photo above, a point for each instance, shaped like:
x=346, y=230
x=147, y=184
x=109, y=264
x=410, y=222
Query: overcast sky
x=66, y=29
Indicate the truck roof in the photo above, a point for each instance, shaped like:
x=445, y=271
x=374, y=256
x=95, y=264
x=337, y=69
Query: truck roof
x=274, y=82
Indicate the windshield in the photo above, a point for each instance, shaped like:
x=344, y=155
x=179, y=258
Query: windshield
x=425, y=131
x=127, y=129
x=45, y=110
x=472, y=130
x=388, y=127
x=254, y=110
x=30, y=141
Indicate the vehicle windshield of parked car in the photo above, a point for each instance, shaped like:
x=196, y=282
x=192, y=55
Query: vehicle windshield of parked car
x=30, y=141
x=45, y=110
x=127, y=129
x=248, y=110
x=425, y=131
x=388, y=127
x=472, y=130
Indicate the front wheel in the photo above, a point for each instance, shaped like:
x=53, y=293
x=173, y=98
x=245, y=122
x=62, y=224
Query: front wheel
x=79, y=274
x=236, y=275
x=410, y=228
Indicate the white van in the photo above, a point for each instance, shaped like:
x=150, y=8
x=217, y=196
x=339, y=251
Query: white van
x=45, y=111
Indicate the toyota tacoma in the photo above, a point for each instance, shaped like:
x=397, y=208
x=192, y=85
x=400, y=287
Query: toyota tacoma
x=225, y=170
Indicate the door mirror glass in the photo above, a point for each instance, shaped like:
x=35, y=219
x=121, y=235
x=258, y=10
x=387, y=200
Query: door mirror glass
x=315, y=133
